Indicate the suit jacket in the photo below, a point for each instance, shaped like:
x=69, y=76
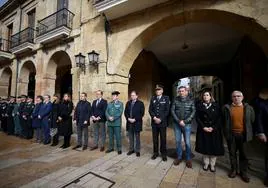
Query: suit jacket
x=44, y=112
x=137, y=114
x=36, y=123
x=99, y=110
x=82, y=113
x=160, y=109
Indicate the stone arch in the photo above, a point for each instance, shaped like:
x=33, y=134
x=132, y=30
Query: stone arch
x=5, y=82
x=58, y=69
x=247, y=26
x=26, y=79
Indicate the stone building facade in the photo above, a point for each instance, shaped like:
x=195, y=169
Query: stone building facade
x=40, y=39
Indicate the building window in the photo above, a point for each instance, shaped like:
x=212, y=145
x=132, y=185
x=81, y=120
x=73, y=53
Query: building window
x=31, y=18
x=9, y=34
x=62, y=4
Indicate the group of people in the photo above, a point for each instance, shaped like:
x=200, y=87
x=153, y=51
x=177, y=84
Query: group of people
x=235, y=121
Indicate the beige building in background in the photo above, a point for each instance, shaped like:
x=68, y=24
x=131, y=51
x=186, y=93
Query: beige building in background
x=134, y=40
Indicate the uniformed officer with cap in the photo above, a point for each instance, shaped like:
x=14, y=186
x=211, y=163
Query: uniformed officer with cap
x=10, y=122
x=3, y=117
x=159, y=111
x=21, y=110
x=113, y=115
x=26, y=115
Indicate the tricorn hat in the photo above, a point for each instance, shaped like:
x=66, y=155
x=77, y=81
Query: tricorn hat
x=159, y=86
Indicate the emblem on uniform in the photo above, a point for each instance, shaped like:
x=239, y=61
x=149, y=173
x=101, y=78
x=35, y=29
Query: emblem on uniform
x=154, y=101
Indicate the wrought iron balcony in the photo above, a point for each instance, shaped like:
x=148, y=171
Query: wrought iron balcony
x=5, y=54
x=4, y=45
x=22, y=41
x=54, y=26
x=26, y=35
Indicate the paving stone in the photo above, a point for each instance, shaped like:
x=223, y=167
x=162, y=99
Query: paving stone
x=56, y=155
x=174, y=173
x=11, y=162
x=106, y=185
x=85, y=179
x=165, y=184
x=94, y=182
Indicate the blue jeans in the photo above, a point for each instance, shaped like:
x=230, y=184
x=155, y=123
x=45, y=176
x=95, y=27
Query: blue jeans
x=115, y=131
x=186, y=131
x=99, y=133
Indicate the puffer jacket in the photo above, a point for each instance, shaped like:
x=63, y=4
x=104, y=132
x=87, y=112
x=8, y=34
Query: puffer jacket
x=183, y=109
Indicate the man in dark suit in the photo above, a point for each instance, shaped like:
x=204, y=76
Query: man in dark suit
x=82, y=116
x=21, y=110
x=43, y=115
x=98, y=116
x=159, y=111
x=134, y=113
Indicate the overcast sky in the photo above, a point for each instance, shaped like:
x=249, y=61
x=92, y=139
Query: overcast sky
x=2, y=2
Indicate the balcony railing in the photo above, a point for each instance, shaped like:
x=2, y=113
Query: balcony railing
x=63, y=17
x=5, y=45
x=26, y=35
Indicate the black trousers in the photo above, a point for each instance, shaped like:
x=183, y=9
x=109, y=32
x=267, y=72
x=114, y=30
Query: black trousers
x=236, y=144
x=4, y=124
x=10, y=125
x=162, y=131
x=55, y=139
x=67, y=140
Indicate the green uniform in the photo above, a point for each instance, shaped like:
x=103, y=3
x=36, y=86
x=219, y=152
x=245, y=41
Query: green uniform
x=115, y=110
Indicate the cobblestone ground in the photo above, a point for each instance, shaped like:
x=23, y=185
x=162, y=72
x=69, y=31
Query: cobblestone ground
x=27, y=164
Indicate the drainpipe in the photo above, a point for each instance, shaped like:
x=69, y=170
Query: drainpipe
x=18, y=61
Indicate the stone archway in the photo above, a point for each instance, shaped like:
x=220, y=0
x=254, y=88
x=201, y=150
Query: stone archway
x=5, y=82
x=58, y=78
x=26, y=81
x=245, y=25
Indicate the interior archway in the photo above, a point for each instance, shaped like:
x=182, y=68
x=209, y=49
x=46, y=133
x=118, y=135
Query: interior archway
x=27, y=79
x=5, y=82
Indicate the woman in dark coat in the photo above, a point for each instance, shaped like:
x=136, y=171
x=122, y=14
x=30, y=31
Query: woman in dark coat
x=209, y=140
x=36, y=122
x=53, y=120
x=65, y=127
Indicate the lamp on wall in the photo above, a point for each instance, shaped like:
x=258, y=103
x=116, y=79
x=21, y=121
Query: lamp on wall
x=81, y=61
x=93, y=59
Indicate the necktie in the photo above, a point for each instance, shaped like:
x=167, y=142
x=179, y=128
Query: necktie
x=132, y=104
x=98, y=101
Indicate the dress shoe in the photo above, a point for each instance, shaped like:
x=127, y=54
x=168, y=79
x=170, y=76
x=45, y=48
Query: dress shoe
x=54, y=144
x=76, y=147
x=176, y=162
x=154, y=156
x=84, y=148
x=189, y=164
x=94, y=148
x=164, y=158
x=265, y=182
x=130, y=152
x=138, y=154
x=119, y=152
x=62, y=145
x=109, y=150
x=245, y=178
x=66, y=146
x=232, y=174
x=102, y=149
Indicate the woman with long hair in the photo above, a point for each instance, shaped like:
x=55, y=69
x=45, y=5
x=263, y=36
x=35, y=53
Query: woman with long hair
x=65, y=127
x=53, y=120
x=209, y=140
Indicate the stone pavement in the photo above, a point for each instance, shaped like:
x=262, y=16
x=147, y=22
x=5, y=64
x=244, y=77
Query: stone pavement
x=25, y=164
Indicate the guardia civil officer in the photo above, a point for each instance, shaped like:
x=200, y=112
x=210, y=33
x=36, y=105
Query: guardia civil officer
x=159, y=111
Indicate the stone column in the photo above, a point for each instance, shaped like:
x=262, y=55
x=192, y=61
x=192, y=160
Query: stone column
x=4, y=88
x=76, y=84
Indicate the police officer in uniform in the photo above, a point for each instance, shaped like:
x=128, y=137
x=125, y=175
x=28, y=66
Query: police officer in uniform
x=26, y=115
x=159, y=111
x=113, y=114
x=10, y=122
x=3, y=118
x=21, y=110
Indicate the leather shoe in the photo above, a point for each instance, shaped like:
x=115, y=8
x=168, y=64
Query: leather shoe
x=164, y=158
x=232, y=174
x=245, y=178
x=189, y=164
x=102, y=149
x=119, y=152
x=95, y=147
x=84, y=148
x=130, y=152
x=76, y=147
x=176, y=162
x=109, y=150
x=154, y=156
x=138, y=154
